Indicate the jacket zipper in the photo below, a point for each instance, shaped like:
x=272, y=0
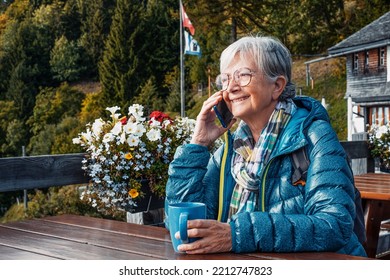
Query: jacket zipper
x=263, y=186
x=222, y=177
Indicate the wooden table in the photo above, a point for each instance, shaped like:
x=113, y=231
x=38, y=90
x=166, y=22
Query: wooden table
x=375, y=192
x=80, y=237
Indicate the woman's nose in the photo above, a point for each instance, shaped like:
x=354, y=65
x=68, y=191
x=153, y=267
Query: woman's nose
x=233, y=85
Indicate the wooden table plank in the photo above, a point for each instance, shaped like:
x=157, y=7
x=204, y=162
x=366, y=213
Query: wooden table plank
x=115, y=241
x=151, y=232
x=59, y=248
x=374, y=186
x=9, y=253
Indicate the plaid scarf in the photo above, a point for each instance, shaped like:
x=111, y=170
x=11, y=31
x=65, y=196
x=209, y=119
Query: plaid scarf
x=250, y=158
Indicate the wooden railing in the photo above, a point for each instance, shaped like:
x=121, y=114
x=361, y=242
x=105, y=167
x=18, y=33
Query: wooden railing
x=24, y=173
x=21, y=173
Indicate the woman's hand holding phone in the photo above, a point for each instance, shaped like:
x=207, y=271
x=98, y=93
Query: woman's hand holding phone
x=223, y=113
x=206, y=129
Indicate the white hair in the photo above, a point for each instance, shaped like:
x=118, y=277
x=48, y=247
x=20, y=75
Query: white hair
x=271, y=57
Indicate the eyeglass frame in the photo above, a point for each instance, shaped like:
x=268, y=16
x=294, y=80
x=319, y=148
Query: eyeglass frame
x=236, y=77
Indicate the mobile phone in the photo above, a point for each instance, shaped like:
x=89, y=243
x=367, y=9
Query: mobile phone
x=223, y=113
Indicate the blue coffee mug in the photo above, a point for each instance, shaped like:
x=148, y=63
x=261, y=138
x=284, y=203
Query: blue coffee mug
x=178, y=216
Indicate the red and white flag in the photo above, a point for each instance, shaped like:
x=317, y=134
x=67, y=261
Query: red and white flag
x=186, y=21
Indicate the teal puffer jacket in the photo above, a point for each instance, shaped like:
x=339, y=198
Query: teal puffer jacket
x=315, y=217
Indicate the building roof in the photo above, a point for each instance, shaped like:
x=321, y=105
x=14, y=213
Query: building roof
x=373, y=35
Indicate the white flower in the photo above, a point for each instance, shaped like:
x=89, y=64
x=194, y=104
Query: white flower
x=122, y=138
x=154, y=134
x=140, y=130
x=130, y=128
x=154, y=123
x=117, y=129
x=87, y=136
x=108, y=138
x=166, y=123
x=97, y=127
x=113, y=109
x=381, y=130
x=132, y=140
x=137, y=111
x=76, y=141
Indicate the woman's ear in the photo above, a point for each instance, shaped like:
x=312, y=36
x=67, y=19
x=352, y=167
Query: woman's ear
x=279, y=84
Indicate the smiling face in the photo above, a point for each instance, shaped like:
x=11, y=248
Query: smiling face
x=255, y=102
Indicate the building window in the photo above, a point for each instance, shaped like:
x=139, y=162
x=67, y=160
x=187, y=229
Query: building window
x=379, y=115
x=366, y=61
x=381, y=60
x=355, y=63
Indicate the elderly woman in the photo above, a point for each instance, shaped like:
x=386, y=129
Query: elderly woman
x=252, y=202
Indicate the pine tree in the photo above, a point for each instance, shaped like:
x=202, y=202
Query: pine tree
x=119, y=69
x=94, y=30
x=160, y=56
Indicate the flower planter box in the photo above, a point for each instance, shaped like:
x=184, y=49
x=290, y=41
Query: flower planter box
x=148, y=202
x=149, y=210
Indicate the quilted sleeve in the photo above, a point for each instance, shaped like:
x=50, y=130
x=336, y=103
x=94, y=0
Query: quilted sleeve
x=191, y=168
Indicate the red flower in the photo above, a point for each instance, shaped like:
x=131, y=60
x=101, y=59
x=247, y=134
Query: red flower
x=160, y=116
x=123, y=120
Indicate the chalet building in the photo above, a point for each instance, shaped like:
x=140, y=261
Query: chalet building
x=367, y=55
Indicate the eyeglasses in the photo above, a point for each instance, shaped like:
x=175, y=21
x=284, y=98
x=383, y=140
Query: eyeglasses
x=242, y=77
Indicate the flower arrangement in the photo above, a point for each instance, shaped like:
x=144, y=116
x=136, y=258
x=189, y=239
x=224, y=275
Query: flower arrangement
x=123, y=151
x=379, y=143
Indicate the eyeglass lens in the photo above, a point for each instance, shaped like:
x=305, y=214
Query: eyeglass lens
x=241, y=76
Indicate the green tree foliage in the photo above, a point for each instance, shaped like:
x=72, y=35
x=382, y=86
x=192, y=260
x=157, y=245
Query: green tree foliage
x=21, y=89
x=93, y=36
x=320, y=25
x=66, y=130
x=147, y=97
x=52, y=108
x=65, y=58
x=92, y=108
x=27, y=55
x=4, y=5
x=235, y=17
x=133, y=55
x=71, y=20
x=53, y=104
x=172, y=81
x=13, y=132
x=120, y=68
x=7, y=114
x=359, y=13
x=160, y=51
x=49, y=16
x=55, y=201
x=41, y=143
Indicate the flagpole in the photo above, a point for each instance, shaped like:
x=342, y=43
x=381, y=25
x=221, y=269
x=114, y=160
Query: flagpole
x=182, y=94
